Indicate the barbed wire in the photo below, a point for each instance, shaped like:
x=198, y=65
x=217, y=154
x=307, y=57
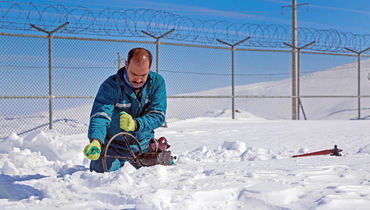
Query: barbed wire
x=131, y=22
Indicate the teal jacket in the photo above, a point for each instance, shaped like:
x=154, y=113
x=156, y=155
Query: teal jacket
x=115, y=96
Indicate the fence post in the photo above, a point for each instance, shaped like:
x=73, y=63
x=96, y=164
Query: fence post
x=157, y=52
x=233, y=73
x=50, y=37
x=157, y=44
x=358, y=79
x=297, y=95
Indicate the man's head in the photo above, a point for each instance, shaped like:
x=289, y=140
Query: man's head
x=138, y=63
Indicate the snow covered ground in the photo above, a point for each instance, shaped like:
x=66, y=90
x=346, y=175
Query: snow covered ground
x=223, y=164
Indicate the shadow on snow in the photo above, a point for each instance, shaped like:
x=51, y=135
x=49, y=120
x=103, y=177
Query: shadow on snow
x=12, y=191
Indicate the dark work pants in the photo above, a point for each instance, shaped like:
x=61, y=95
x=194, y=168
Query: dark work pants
x=116, y=148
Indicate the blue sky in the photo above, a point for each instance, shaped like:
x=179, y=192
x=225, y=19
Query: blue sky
x=342, y=15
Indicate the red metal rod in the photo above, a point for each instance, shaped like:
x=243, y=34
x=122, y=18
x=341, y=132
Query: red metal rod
x=334, y=152
x=323, y=152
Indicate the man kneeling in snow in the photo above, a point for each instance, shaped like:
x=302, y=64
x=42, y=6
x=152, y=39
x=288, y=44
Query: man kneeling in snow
x=133, y=100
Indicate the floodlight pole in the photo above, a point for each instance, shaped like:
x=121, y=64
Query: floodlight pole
x=298, y=49
x=157, y=44
x=358, y=78
x=295, y=102
x=233, y=71
x=50, y=37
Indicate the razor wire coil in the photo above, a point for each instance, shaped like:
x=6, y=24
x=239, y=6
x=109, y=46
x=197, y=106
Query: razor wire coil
x=131, y=22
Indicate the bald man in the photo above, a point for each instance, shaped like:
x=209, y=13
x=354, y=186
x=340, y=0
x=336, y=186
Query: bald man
x=133, y=100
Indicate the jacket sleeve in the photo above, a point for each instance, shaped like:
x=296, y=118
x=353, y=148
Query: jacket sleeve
x=156, y=114
x=102, y=110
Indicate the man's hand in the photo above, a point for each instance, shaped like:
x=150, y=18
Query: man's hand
x=126, y=122
x=92, y=151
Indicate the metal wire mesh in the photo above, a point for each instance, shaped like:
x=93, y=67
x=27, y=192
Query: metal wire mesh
x=182, y=62
x=20, y=64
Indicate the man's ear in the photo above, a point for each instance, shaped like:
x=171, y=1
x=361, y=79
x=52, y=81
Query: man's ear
x=126, y=64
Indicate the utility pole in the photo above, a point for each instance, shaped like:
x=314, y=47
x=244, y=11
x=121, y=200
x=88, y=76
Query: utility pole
x=119, y=60
x=295, y=73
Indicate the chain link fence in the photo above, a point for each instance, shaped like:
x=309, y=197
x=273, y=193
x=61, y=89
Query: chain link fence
x=198, y=80
x=203, y=77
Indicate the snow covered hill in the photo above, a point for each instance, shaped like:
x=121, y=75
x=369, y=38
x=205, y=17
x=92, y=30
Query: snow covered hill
x=337, y=81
